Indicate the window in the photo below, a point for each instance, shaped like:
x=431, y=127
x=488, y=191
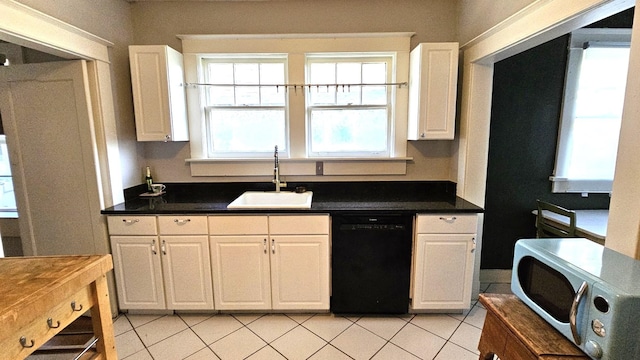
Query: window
x=337, y=98
x=592, y=111
x=352, y=117
x=7, y=195
x=245, y=110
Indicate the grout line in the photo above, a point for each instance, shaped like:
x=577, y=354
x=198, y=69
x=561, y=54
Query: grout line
x=353, y=321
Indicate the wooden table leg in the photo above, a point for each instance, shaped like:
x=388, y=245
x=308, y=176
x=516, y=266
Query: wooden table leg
x=101, y=319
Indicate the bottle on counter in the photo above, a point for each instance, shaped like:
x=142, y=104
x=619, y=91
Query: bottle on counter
x=148, y=179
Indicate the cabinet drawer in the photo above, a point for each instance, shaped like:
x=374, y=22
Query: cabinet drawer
x=132, y=225
x=182, y=225
x=300, y=225
x=447, y=224
x=238, y=225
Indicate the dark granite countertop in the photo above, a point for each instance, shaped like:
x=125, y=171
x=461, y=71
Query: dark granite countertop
x=328, y=197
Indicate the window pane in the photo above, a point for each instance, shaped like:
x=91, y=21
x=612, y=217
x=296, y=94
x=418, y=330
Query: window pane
x=594, y=146
x=602, y=81
x=247, y=95
x=7, y=195
x=221, y=95
x=246, y=130
x=272, y=74
x=374, y=73
x=349, y=131
x=246, y=73
x=348, y=73
x=322, y=73
x=220, y=73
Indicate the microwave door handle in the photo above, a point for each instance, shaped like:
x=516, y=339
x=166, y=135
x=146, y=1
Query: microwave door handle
x=573, y=313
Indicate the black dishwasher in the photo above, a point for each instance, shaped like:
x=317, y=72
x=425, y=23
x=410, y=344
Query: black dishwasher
x=371, y=263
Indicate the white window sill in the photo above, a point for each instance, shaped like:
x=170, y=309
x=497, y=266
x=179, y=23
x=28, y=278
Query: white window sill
x=300, y=167
x=564, y=185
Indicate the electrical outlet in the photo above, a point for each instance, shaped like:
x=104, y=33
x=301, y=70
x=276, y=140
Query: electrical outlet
x=319, y=168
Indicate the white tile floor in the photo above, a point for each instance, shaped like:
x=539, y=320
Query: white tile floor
x=302, y=336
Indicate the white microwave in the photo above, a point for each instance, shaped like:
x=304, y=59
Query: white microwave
x=589, y=293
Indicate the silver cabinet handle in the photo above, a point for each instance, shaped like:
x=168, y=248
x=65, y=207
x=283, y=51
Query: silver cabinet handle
x=163, y=247
x=265, y=245
x=273, y=246
x=130, y=221
x=473, y=247
x=573, y=313
x=181, y=221
x=448, y=219
x=153, y=247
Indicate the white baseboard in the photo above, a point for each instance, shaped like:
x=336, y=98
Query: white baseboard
x=495, y=276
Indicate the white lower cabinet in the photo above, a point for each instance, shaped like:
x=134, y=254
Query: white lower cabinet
x=443, y=261
x=138, y=272
x=263, y=262
x=164, y=265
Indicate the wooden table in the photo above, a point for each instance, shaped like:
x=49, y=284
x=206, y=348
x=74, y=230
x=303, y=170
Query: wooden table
x=40, y=296
x=514, y=332
x=590, y=224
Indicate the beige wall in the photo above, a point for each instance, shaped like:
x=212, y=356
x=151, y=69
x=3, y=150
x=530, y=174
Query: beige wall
x=160, y=22
x=478, y=16
x=112, y=21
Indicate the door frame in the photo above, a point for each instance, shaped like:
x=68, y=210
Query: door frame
x=27, y=27
x=535, y=24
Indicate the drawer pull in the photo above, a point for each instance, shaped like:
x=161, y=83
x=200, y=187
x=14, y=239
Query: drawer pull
x=50, y=323
x=129, y=221
x=448, y=219
x=73, y=306
x=23, y=342
x=181, y=221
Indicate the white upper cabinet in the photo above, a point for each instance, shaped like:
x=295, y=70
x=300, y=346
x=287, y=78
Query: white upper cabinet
x=432, y=91
x=158, y=93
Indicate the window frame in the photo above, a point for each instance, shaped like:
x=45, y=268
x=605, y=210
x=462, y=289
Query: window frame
x=561, y=183
x=358, y=57
x=237, y=59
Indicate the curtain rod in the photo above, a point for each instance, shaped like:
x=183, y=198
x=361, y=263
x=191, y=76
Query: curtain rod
x=295, y=86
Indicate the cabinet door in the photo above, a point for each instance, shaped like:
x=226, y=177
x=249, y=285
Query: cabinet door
x=136, y=263
x=240, y=266
x=443, y=271
x=187, y=272
x=300, y=272
x=158, y=94
x=432, y=91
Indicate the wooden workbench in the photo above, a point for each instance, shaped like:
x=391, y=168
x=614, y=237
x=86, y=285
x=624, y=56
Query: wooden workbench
x=514, y=332
x=40, y=296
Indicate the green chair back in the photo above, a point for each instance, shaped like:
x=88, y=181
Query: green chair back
x=547, y=228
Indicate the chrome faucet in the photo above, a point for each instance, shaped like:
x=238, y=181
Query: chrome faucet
x=276, y=171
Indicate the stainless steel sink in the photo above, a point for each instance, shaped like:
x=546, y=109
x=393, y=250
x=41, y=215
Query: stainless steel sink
x=272, y=200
